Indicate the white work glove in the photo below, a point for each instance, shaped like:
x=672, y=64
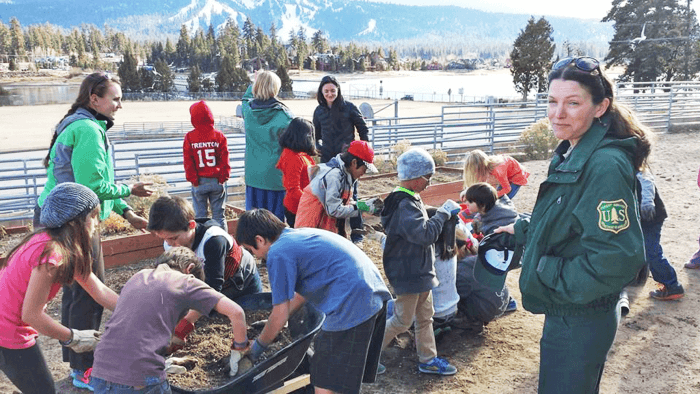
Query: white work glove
x=647, y=208
x=172, y=368
x=83, y=340
x=239, y=362
x=450, y=208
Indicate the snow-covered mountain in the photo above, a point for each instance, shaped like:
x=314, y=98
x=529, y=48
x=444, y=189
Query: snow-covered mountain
x=340, y=20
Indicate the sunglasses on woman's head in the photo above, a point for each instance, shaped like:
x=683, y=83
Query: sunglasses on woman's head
x=586, y=63
x=102, y=78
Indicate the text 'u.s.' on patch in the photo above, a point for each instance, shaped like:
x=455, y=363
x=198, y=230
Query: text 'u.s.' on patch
x=612, y=216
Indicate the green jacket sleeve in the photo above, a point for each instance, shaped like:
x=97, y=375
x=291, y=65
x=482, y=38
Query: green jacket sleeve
x=92, y=169
x=610, y=249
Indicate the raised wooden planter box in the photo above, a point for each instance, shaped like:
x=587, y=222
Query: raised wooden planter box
x=435, y=194
x=133, y=248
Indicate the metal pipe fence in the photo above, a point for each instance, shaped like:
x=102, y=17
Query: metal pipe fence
x=156, y=147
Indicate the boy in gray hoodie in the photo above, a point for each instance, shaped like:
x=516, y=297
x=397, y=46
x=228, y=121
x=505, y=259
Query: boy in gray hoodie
x=409, y=257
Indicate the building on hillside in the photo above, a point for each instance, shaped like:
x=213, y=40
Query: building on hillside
x=255, y=64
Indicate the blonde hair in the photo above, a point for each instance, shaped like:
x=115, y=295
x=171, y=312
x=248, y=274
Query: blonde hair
x=267, y=85
x=478, y=165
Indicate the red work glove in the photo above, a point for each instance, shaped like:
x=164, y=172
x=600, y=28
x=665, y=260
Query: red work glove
x=179, y=338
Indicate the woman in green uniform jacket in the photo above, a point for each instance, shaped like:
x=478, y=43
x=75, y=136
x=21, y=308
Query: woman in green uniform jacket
x=584, y=242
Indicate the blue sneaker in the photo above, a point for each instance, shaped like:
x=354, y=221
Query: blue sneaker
x=381, y=369
x=81, y=379
x=438, y=366
x=512, y=305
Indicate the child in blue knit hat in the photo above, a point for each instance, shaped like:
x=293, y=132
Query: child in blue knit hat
x=409, y=257
x=55, y=255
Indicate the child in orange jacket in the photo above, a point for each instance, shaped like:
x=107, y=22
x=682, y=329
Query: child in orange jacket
x=298, y=146
x=501, y=171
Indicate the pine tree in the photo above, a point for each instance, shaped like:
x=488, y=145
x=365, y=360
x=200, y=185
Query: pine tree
x=183, y=47
x=17, y=40
x=669, y=50
x=225, y=76
x=165, y=79
x=531, y=57
x=194, y=83
x=284, y=77
x=319, y=43
x=128, y=74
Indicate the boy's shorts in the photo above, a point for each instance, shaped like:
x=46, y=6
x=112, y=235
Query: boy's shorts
x=343, y=360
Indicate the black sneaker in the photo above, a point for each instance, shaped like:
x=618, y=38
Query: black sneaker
x=665, y=293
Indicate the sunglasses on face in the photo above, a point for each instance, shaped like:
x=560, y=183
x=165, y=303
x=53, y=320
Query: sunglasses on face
x=586, y=63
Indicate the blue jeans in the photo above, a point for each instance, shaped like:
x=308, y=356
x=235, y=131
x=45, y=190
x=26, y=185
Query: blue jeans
x=272, y=200
x=210, y=192
x=105, y=387
x=513, y=190
x=661, y=270
x=573, y=350
x=356, y=222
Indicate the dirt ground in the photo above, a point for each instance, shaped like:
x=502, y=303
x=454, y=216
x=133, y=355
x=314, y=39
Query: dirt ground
x=656, y=349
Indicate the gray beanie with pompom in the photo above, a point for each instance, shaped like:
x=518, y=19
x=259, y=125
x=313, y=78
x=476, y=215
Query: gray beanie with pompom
x=66, y=202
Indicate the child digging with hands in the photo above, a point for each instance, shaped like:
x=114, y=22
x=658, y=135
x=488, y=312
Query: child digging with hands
x=409, y=257
x=500, y=171
x=131, y=355
x=55, y=255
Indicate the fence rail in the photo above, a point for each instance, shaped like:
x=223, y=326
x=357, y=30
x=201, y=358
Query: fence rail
x=156, y=147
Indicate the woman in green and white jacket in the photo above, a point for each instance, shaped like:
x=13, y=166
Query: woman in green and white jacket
x=80, y=152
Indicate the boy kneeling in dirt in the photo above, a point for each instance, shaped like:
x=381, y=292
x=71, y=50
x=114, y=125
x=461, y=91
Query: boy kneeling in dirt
x=131, y=354
x=328, y=271
x=227, y=267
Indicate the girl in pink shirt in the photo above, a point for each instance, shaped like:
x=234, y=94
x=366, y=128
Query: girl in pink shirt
x=33, y=273
x=503, y=172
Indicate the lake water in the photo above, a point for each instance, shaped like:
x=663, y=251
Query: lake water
x=423, y=86
x=32, y=94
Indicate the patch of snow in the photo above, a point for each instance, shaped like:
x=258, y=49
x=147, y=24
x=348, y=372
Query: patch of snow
x=371, y=26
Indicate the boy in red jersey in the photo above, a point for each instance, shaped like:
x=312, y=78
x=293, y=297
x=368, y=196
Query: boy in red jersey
x=205, y=152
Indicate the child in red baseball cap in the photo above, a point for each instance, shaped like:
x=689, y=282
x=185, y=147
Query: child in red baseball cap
x=328, y=197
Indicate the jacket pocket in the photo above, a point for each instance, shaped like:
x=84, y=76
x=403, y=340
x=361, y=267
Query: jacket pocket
x=549, y=270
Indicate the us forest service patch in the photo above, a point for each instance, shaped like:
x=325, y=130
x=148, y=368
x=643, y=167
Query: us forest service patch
x=612, y=216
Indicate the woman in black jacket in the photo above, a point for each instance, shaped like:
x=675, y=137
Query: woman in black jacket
x=335, y=122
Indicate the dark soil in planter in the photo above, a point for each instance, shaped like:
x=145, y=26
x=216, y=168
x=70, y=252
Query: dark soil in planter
x=210, y=344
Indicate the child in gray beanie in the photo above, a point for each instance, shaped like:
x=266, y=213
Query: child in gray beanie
x=66, y=202
x=409, y=257
x=33, y=273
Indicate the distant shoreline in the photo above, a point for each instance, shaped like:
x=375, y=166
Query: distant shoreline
x=53, y=77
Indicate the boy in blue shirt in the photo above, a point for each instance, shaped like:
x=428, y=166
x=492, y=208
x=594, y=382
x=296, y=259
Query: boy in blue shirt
x=328, y=271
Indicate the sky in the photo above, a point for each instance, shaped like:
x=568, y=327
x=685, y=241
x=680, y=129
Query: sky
x=594, y=9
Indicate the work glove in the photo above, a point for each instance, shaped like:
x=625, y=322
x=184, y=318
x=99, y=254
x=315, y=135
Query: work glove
x=179, y=338
x=171, y=367
x=256, y=350
x=83, y=340
x=373, y=206
x=647, y=208
x=450, y=208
